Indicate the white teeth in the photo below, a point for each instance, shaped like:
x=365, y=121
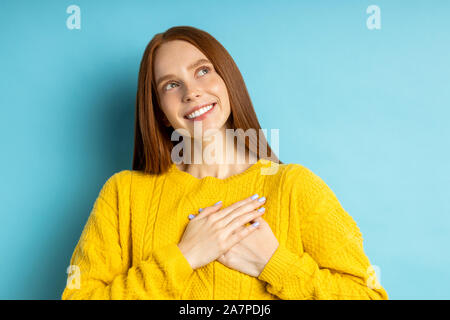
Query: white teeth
x=200, y=111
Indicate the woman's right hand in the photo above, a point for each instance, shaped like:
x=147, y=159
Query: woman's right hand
x=211, y=233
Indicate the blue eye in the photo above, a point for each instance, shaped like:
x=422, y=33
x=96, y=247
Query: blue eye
x=205, y=68
x=169, y=83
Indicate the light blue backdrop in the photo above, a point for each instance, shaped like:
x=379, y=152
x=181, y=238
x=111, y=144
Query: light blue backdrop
x=366, y=110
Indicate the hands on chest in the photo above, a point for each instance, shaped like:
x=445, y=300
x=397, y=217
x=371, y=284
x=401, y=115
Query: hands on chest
x=221, y=234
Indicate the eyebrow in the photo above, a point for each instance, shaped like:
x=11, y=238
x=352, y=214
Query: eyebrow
x=192, y=66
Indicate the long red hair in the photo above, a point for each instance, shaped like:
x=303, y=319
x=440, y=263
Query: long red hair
x=152, y=143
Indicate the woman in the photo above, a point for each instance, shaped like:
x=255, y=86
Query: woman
x=263, y=230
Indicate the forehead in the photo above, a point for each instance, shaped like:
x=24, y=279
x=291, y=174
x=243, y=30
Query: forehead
x=174, y=55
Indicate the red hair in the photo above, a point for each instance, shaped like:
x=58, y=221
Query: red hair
x=152, y=143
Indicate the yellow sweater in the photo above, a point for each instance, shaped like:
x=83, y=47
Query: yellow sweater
x=128, y=247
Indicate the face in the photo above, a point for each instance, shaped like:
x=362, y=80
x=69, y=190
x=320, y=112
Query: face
x=186, y=80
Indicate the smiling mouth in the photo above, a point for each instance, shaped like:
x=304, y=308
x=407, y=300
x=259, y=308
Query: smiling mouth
x=201, y=113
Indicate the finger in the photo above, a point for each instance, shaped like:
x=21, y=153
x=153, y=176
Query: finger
x=242, y=227
x=245, y=208
x=230, y=208
x=237, y=237
x=208, y=210
x=259, y=219
x=242, y=220
x=192, y=216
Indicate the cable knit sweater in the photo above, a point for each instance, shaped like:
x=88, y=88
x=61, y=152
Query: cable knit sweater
x=128, y=247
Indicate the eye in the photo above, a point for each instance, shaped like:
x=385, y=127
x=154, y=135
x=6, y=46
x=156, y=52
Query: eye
x=166, y=88
x=205, y=68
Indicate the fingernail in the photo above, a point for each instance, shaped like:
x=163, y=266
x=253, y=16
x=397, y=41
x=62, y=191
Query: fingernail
x=254, y=196
x=200, y=210
x=255, y=224
x=262, y=199
x=218, y=202
x=191, y=216
x=262, y=209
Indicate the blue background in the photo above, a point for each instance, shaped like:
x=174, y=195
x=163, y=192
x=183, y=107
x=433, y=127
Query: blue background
x=366, y=110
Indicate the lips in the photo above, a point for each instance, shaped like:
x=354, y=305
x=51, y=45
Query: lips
x=198, y=108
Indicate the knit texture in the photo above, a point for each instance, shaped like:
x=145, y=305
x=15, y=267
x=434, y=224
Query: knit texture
x=128, y=247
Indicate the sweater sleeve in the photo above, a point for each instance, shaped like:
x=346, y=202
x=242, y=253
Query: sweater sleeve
x=97, y=269
x=333, y=264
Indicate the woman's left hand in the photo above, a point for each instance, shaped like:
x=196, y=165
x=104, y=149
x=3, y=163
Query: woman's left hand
x=252, y=253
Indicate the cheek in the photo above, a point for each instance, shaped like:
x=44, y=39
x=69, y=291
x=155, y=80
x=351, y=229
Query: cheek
x=168, y=112
x=217, y=85
x=168, y=103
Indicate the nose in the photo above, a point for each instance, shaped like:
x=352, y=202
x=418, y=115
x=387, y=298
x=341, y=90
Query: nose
x=191, y=94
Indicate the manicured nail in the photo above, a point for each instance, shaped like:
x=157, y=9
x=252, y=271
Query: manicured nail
x=255, y=224
x=262, y=199
x=200, y=210
x=218, y=202
x=191, y=216
x=262, y=209
x=254, y=196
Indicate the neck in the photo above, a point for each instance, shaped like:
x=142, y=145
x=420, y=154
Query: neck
x=216, y=155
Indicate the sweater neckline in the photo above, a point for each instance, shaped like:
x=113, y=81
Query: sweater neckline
x=184, y=176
